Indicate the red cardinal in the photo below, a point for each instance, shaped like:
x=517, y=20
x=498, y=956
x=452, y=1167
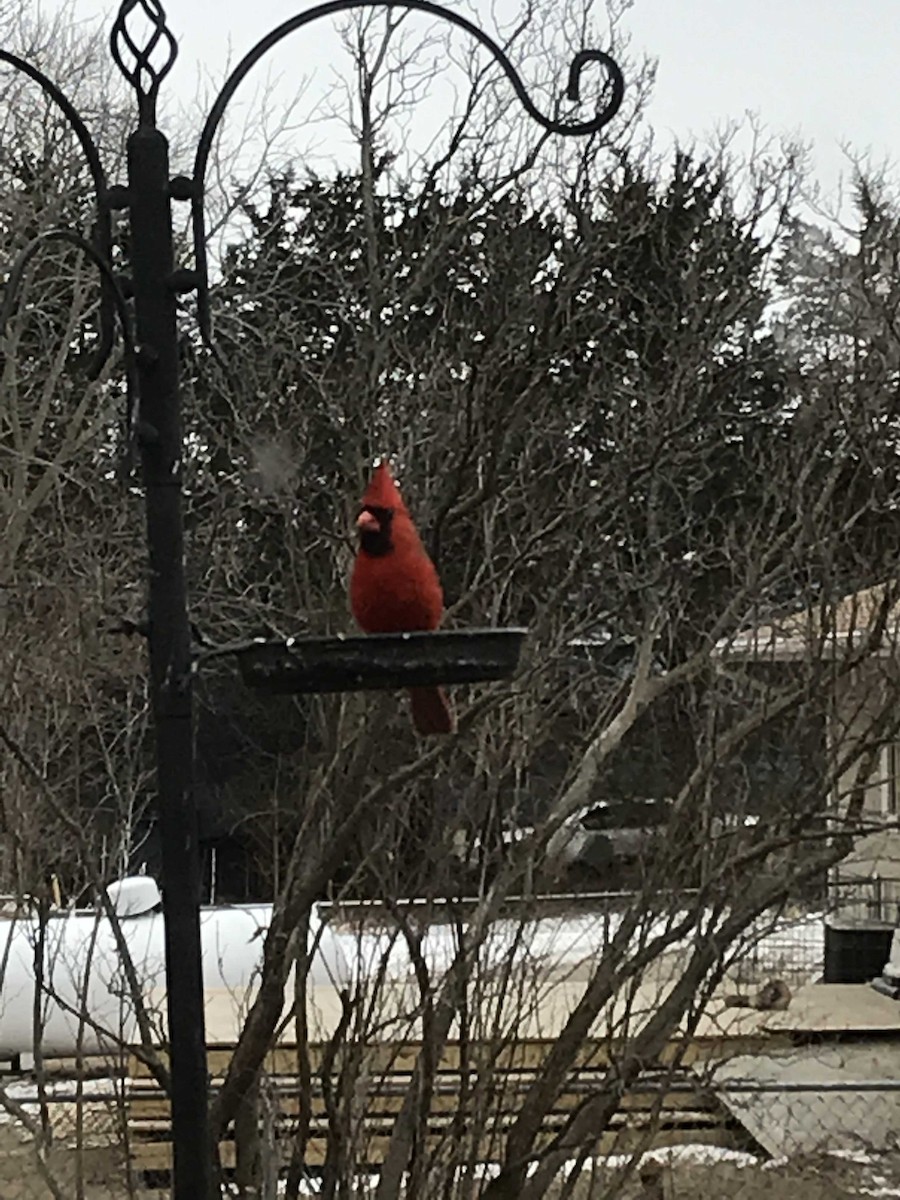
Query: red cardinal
x=395, y=588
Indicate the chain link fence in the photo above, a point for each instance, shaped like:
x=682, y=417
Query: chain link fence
x=65, y=1138
x=746, y=1139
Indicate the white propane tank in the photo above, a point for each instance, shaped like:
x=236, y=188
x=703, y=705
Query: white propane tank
x=83, y=973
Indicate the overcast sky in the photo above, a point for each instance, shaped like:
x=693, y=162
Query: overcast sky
x=823, y=69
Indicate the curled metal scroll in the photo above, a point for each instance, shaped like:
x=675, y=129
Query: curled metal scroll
x=102, y=230
x=118, y=301
x=615, y=91
x=142, y=73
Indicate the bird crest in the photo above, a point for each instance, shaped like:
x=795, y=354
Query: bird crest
x=382, y=492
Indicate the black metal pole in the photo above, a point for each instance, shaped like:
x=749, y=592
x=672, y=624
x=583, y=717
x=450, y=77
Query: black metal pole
x=160, y=436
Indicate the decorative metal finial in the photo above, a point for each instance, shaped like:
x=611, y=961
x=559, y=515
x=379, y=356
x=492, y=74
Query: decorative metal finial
x=134, y=61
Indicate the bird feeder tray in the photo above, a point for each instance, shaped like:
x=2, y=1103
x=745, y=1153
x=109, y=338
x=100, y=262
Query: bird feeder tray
x=380, y=661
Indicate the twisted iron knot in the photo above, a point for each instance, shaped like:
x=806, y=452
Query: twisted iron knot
x=145, y=53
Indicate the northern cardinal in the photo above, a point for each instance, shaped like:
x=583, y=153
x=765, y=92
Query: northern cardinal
x=395, y=588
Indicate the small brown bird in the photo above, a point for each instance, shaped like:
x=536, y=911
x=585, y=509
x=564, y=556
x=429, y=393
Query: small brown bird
x=395, y=587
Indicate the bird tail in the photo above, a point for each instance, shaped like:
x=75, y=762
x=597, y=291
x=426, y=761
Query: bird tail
x=431, y=711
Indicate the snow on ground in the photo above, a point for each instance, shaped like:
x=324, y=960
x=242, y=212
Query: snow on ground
x=690, y=1155
x=26, y=1092
x=872, y=1177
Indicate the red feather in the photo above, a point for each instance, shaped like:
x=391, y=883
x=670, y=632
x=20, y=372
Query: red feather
x=395, y=587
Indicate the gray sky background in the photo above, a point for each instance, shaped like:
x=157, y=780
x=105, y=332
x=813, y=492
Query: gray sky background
x=825, y=70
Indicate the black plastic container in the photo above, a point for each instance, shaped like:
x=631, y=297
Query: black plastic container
x=856, y=951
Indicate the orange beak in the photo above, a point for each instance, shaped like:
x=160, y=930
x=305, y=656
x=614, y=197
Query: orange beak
x=367, y=522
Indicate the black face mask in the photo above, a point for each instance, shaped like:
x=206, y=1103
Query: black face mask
x=377, y=544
